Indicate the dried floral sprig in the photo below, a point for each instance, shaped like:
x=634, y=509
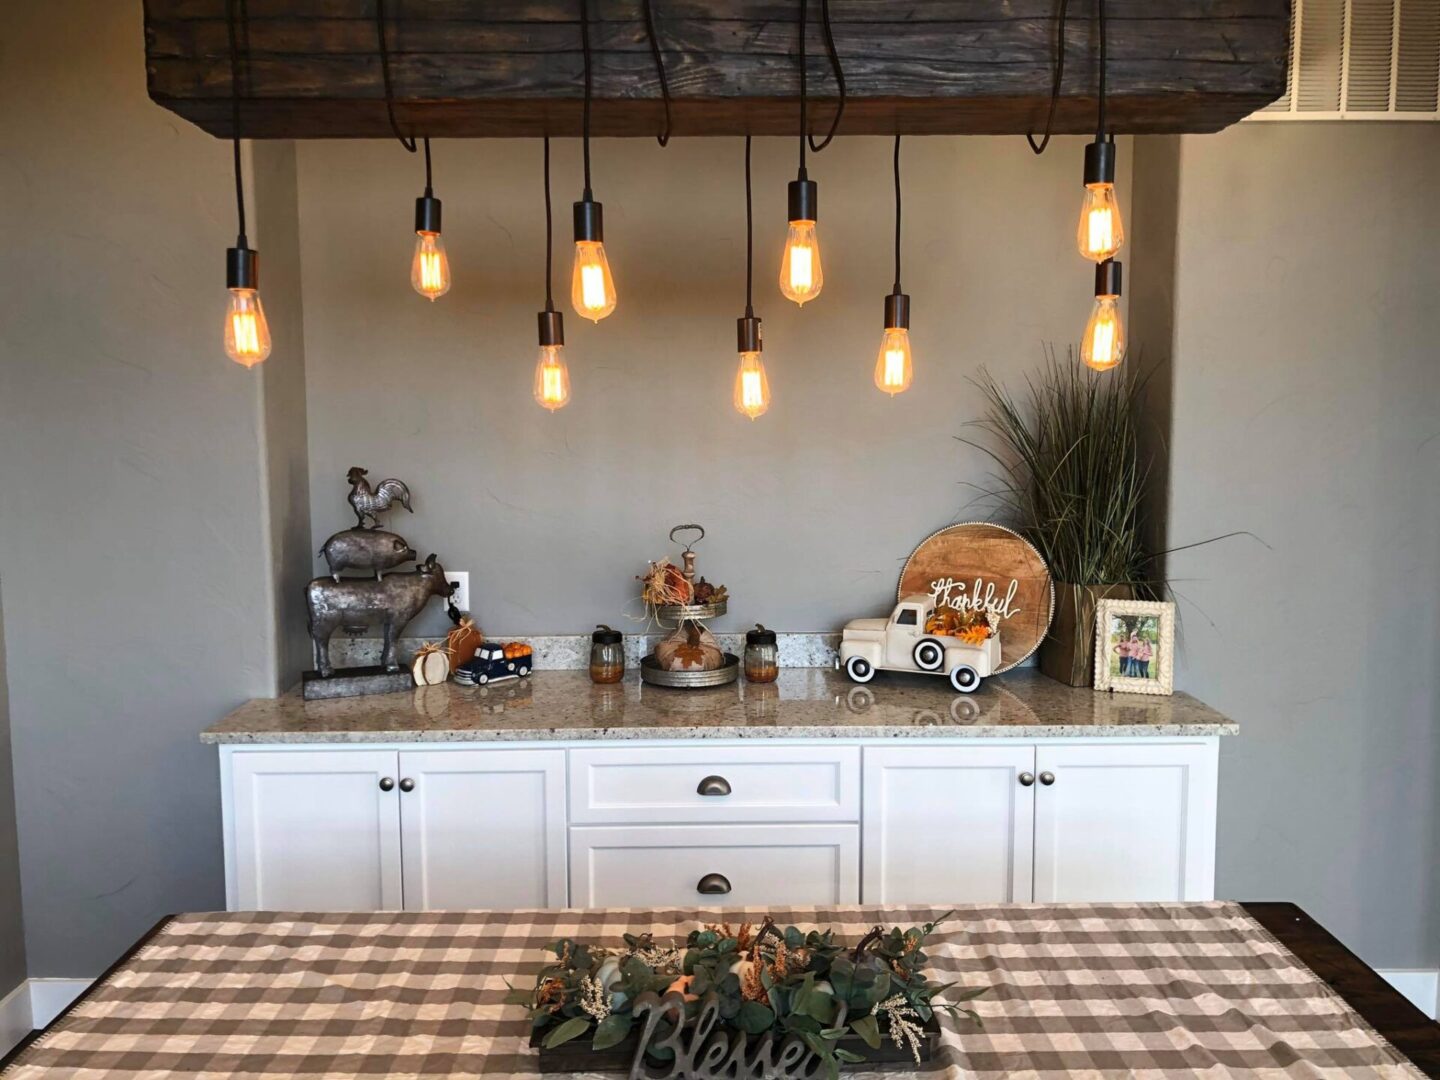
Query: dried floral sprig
x=594, y=998
x=904, y=1023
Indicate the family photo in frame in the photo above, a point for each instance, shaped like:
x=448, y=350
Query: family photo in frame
x=1135, y=646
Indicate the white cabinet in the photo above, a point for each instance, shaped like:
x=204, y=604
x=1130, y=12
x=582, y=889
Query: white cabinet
x=315, y=830
x=483, y=828
x=341, y=829
x=946, y=825
x=714, y=865
x=1126, y=821
x=714, y=824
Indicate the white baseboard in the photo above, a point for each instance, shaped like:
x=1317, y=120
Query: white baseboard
x=1420, y=985
x=50, y=997
x=16, y=1020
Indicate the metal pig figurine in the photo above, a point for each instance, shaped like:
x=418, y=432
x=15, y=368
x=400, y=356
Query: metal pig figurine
x=394, y=600
x=366, y=549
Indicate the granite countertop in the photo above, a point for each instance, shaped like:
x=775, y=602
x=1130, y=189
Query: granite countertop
x=804, y=703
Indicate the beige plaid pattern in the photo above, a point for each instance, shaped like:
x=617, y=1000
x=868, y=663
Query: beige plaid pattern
x=1142, y=990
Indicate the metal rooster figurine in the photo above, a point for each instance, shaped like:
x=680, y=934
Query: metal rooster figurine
x=367, y=502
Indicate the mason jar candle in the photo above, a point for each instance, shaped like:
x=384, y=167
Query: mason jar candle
x=762, y=655
x=607, y=655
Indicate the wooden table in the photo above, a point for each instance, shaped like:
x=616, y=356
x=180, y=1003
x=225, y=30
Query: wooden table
x=1385, y=1009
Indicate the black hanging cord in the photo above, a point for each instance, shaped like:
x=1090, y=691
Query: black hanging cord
x=749, y=239
x=585, y=51
x=839, y=78
x=1100, y=118
x=663, y=140
x=804, y=120
x=896, y=289
x=408, y=143
x=235, y=121
x=429, y=188
x=1039, y=147
x=549, y=296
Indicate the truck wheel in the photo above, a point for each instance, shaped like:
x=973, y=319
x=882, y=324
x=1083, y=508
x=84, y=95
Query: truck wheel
x=524, y=670
x=929, y=654
x=859, y=669
x=481, y=680
x=964, y=678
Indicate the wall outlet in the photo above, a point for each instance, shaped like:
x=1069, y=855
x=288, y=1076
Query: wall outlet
x=461, y=580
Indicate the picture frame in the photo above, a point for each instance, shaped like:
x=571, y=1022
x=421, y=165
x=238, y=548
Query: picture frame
x=1135, y=646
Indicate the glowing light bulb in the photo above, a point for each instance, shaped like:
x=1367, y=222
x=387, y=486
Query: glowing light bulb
x=1103, y=346
x=247, y=334
x=893, y=370
x=592, y=289
x=552, y=378
x=1101, y=232
x=801, y=276
x=430, y=269
x=752, y=387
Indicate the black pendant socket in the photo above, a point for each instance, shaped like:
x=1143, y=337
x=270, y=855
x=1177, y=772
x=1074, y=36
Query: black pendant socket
x=552, y=327
x=242, y=268
x=1100, y=161
x=427, y=214
x=747, y=334
x=1107, y=278
x=897, y=311
x=804, y=200
x=589, y=221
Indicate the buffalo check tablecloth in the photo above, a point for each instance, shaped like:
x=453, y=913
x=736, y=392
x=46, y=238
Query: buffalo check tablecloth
x=1144, y=990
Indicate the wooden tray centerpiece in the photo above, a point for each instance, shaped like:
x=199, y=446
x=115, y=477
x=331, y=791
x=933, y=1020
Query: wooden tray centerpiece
x=749, y=1002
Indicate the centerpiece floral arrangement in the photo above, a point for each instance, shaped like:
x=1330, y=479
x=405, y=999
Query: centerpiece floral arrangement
x=764, y=981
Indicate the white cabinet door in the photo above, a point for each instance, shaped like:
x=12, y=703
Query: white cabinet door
x=316, y=830
x=947, y=825
x=1125, y=822
x=483, y=828
x=714, y=865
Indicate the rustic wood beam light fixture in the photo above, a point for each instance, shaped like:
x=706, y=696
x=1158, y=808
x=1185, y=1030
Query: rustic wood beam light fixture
x=507, y=68
x=752, y=387
x=592, y=289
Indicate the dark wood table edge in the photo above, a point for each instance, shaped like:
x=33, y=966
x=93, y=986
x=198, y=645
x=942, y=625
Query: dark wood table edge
x=1383, y=1007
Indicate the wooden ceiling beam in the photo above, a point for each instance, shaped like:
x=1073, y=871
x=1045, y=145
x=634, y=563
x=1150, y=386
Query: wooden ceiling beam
x=503, y=68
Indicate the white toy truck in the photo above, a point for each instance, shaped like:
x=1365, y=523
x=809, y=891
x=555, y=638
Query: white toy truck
x=901, y=643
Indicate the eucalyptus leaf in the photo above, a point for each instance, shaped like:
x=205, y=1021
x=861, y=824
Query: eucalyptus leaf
x=570, y=1029
x=868, y=1028
x=754, y=1018
x=849, y=1057
x=612, y=1030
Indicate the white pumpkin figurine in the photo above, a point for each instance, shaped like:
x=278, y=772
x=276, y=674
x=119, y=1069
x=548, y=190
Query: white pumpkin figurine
x=608, y=976
x=431, y=666
x=690, y=648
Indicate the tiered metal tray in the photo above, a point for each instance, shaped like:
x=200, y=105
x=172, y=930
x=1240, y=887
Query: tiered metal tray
x=655, y=675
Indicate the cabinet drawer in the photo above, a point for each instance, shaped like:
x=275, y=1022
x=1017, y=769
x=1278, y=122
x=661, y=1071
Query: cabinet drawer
x=747, y=783
x=744, y=865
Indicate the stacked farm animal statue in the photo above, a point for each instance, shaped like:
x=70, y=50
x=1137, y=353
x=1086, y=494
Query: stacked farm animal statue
x=392, y=600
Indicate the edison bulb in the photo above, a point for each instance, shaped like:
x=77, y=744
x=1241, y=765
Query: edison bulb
x=592, y=289
x=1101, y=232
x=430, y=269
x=752, y=388
x=247, y=334
x=892, y=365
x=800, y=275
x=1103, y=346
x=552, y=378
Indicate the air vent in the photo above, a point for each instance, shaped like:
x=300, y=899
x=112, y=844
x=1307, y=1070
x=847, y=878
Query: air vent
x=1361, y=60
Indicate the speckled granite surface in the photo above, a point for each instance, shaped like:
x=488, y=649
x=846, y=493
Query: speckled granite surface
x=804, y=703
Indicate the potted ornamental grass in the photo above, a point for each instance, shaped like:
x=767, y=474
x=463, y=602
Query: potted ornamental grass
x=1072, y=479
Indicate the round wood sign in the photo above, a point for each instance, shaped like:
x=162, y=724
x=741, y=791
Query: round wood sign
x=989, y=567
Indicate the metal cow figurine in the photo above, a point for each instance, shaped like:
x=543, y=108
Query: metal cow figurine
x=394, y=601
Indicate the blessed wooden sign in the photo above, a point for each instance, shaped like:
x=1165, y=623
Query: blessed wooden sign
x=980, y=566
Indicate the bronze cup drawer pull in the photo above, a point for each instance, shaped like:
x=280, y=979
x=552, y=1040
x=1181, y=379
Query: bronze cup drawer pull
x=713, y=885
x=714, y=785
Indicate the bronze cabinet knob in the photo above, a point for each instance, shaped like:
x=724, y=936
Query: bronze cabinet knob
x=714, y=785
x=713, y=885
x=1047, y=778
x=1026, y=779
x=407, y=784
x=387, y=783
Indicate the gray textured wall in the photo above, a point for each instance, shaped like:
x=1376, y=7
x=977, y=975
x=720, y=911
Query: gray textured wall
x=810, y=509
x=12, y=926
x=1307, y=410
x=139, y=511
